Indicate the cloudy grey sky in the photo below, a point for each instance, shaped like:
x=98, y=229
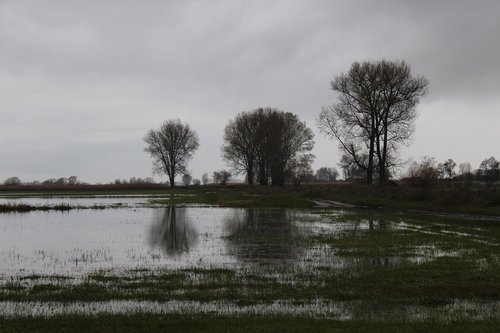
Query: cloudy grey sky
x=81, y=82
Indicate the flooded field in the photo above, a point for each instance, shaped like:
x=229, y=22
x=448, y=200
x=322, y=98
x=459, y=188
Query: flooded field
x=85, y=201
x=335, y=264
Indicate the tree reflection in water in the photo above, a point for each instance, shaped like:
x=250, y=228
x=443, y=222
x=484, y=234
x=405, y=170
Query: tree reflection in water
x=172, y=232
x=259, y=234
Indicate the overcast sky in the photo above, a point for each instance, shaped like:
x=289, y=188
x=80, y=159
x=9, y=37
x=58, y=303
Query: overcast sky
x=81, y=82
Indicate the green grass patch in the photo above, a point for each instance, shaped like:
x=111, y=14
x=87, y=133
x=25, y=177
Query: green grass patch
x=217, y=324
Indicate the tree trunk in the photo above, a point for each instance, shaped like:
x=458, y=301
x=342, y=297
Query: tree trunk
x=250, y=174
x=277, y=175
x=369, y=170
x=383, y=158
x=262, y=174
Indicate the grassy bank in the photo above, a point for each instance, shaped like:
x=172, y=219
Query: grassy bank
x=468, y=200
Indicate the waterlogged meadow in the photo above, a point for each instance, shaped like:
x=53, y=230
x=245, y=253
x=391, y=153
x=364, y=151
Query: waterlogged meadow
x=137, y=264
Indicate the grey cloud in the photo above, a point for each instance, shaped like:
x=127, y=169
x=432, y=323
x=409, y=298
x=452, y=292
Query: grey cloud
x=96, y=68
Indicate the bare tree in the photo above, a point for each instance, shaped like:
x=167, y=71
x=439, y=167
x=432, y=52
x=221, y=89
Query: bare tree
x=221, y=177
x=447, y=170
x=375, y=113
x=490, y=170
x=300, y=167
x=424, y=173
x=171, y=147
x=240, y=144
x=327, y=174
x=353, y=169
x=73, y=180
x=61, y=181
x=464, y=169
x=12, y=181
x=289, y=139
x=465, y=173
x=205, y=179
x=262, y=142
x=186, y=179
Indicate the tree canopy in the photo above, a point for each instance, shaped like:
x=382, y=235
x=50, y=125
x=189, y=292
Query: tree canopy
x=262, y=142
x=374, y=114
x=171, y=147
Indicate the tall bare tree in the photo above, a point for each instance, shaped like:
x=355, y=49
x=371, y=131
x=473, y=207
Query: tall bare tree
x=171, y=147
x=240, y=144
x=374, y=114
x=263, y=141
x=289, y=138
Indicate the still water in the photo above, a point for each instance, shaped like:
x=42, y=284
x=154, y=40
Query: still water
x=81, y=241
x=89, y=200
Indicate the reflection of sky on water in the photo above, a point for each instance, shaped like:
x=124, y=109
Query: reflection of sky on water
x=80, y=241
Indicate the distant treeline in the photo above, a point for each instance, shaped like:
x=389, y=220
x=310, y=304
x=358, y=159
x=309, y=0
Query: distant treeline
x=73, y=180
x=82, y=187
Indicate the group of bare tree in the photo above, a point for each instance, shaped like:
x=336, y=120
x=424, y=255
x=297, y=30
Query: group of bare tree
x=374, y=114
x=72, y=180
x=134, y=180
x=266, y=143
x=325, y=174
x=429, y=172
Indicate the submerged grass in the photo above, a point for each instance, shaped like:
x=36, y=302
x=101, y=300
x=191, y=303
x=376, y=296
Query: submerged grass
x=25, y=208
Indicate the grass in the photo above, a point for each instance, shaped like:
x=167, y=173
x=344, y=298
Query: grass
x=208, y=323
x=468, y=200
x=473, y=199
x=24, y=208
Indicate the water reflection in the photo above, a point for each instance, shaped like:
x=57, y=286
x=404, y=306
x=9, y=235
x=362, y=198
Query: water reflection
x=172, y=232
x=256, y=234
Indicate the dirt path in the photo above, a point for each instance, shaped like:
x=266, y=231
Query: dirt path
x=336, y=204
x=320, y=203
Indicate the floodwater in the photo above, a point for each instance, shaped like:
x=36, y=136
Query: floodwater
x=84, y=201
x=136, y=235
x=81, y=241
